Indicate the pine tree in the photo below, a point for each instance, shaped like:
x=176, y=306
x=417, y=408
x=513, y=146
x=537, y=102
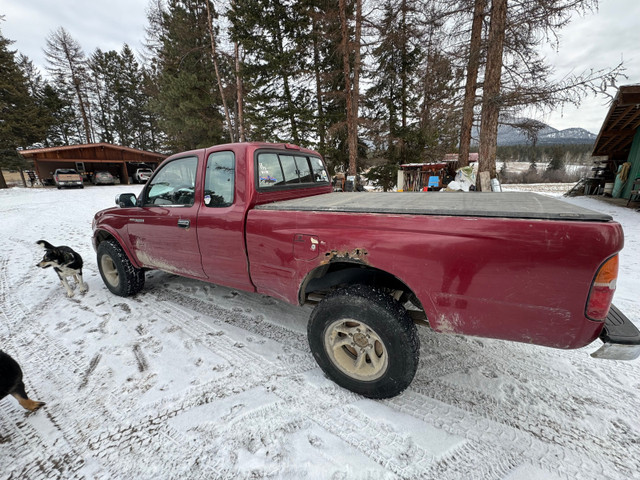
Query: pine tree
x=393, y=96
x=56, y=115
x=188, y=109
x=21, y=123
x=62, y=128
x=120, y=107
x=327, y=66
x=275, y=38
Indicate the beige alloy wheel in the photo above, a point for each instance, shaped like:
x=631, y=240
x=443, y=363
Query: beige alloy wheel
x=109, y=271
x=356, y=349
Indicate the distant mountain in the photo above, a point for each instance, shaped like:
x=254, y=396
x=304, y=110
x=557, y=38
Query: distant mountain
x=568, y=135
x=508, y=135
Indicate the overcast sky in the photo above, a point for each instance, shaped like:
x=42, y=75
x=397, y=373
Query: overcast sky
x=594, y=41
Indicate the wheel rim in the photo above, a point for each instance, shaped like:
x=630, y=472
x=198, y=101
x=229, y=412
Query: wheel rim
x=356, y=349
x=109, y=271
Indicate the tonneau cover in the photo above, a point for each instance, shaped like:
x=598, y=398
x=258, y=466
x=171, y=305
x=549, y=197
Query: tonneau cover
x=461, y=204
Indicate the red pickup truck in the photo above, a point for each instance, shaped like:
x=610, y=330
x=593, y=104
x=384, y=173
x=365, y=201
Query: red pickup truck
x=262, y=218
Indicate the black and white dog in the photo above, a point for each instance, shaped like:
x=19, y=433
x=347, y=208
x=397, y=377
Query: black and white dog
x=65, y=262
x=11, y=383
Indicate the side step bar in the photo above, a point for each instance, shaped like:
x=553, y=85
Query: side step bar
x=620, y=336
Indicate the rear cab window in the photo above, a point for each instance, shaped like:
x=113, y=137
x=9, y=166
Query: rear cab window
x=281, y=170
x=219, y=183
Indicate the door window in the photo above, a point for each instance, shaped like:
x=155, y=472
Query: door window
x=173, y=184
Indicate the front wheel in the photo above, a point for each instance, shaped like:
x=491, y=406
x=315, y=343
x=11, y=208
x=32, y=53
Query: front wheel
x=364, y=341
x=117, y=271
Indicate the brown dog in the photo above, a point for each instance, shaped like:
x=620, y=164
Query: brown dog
x=11, y=383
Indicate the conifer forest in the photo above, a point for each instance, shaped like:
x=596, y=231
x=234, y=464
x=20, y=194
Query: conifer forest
x=367, y=83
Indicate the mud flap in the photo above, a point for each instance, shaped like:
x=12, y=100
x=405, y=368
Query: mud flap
x=620, y=336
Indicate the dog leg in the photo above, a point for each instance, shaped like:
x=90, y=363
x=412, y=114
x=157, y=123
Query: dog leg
x=21, y=395
x=80, y=282
x=65, y=284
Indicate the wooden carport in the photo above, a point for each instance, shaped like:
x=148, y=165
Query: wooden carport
x=90, y=158
x=619, y=137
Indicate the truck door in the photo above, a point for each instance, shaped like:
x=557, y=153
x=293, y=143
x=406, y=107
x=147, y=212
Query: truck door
x=221, y=223
x=163, y=232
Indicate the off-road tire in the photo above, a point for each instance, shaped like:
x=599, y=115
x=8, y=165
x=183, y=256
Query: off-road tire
x=365, y=341
x=117, y=271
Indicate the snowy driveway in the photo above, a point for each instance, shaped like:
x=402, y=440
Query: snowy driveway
x=192, y=380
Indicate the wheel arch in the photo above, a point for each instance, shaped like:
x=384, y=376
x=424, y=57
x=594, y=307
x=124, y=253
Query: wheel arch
x=102, y=235
x=328, y=277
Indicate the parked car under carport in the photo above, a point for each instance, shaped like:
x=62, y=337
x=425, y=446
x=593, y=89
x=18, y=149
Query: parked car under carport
x=103, y=178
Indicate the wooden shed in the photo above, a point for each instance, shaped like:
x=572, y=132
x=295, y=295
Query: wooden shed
x=619, y=137
x=90, y=158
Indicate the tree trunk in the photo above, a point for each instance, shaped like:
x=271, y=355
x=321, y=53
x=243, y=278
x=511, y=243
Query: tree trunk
x=349, y=90
x=3, y=182
x=83, y=110
x=214, y=55
x=319, y=101
x=475, y=47
x=240, y=95
x=491, y=101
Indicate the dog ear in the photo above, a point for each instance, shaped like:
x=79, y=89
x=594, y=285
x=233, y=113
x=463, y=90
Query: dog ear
x=46, y=245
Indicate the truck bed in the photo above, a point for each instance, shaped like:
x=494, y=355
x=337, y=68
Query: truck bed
x=462, y=204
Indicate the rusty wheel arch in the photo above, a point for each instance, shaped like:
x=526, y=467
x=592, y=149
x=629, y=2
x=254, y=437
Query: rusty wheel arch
x=330, y=276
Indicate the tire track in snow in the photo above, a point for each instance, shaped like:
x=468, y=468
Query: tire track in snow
x=558, y=434
x=54, y=457
x=201, y=327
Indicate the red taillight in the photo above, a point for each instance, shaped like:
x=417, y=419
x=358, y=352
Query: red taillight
x=602, y=290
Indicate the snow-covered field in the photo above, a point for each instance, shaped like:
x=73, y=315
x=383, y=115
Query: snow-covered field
x=191, y=380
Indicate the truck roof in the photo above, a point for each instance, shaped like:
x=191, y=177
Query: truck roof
x=523, y=205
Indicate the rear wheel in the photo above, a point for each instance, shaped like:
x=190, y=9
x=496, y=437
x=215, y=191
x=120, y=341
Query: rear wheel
x=365, y=341
x=117, y=271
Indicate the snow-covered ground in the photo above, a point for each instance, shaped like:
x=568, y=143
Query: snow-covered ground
x=192, y=380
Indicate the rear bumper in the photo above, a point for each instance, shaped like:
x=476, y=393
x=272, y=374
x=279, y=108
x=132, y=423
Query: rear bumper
x=620, y=336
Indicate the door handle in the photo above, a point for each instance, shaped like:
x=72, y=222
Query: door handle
x=184, y=223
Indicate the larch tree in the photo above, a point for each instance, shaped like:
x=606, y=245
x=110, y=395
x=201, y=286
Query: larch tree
x=473, y=66
x=68, y=65
x=350, y=48
x=491, y=100
x=214, y=57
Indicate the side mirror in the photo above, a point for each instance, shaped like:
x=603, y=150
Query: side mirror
x=125, y=200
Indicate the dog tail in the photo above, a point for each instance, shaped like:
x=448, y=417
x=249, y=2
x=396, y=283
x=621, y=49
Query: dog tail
x=46, y=245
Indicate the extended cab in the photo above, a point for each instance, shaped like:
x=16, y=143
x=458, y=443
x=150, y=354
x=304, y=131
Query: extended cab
x=262, y=218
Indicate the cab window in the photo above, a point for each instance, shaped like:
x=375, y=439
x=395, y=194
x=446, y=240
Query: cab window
x=289, y=170
x=220, y=180
x=173, y=184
